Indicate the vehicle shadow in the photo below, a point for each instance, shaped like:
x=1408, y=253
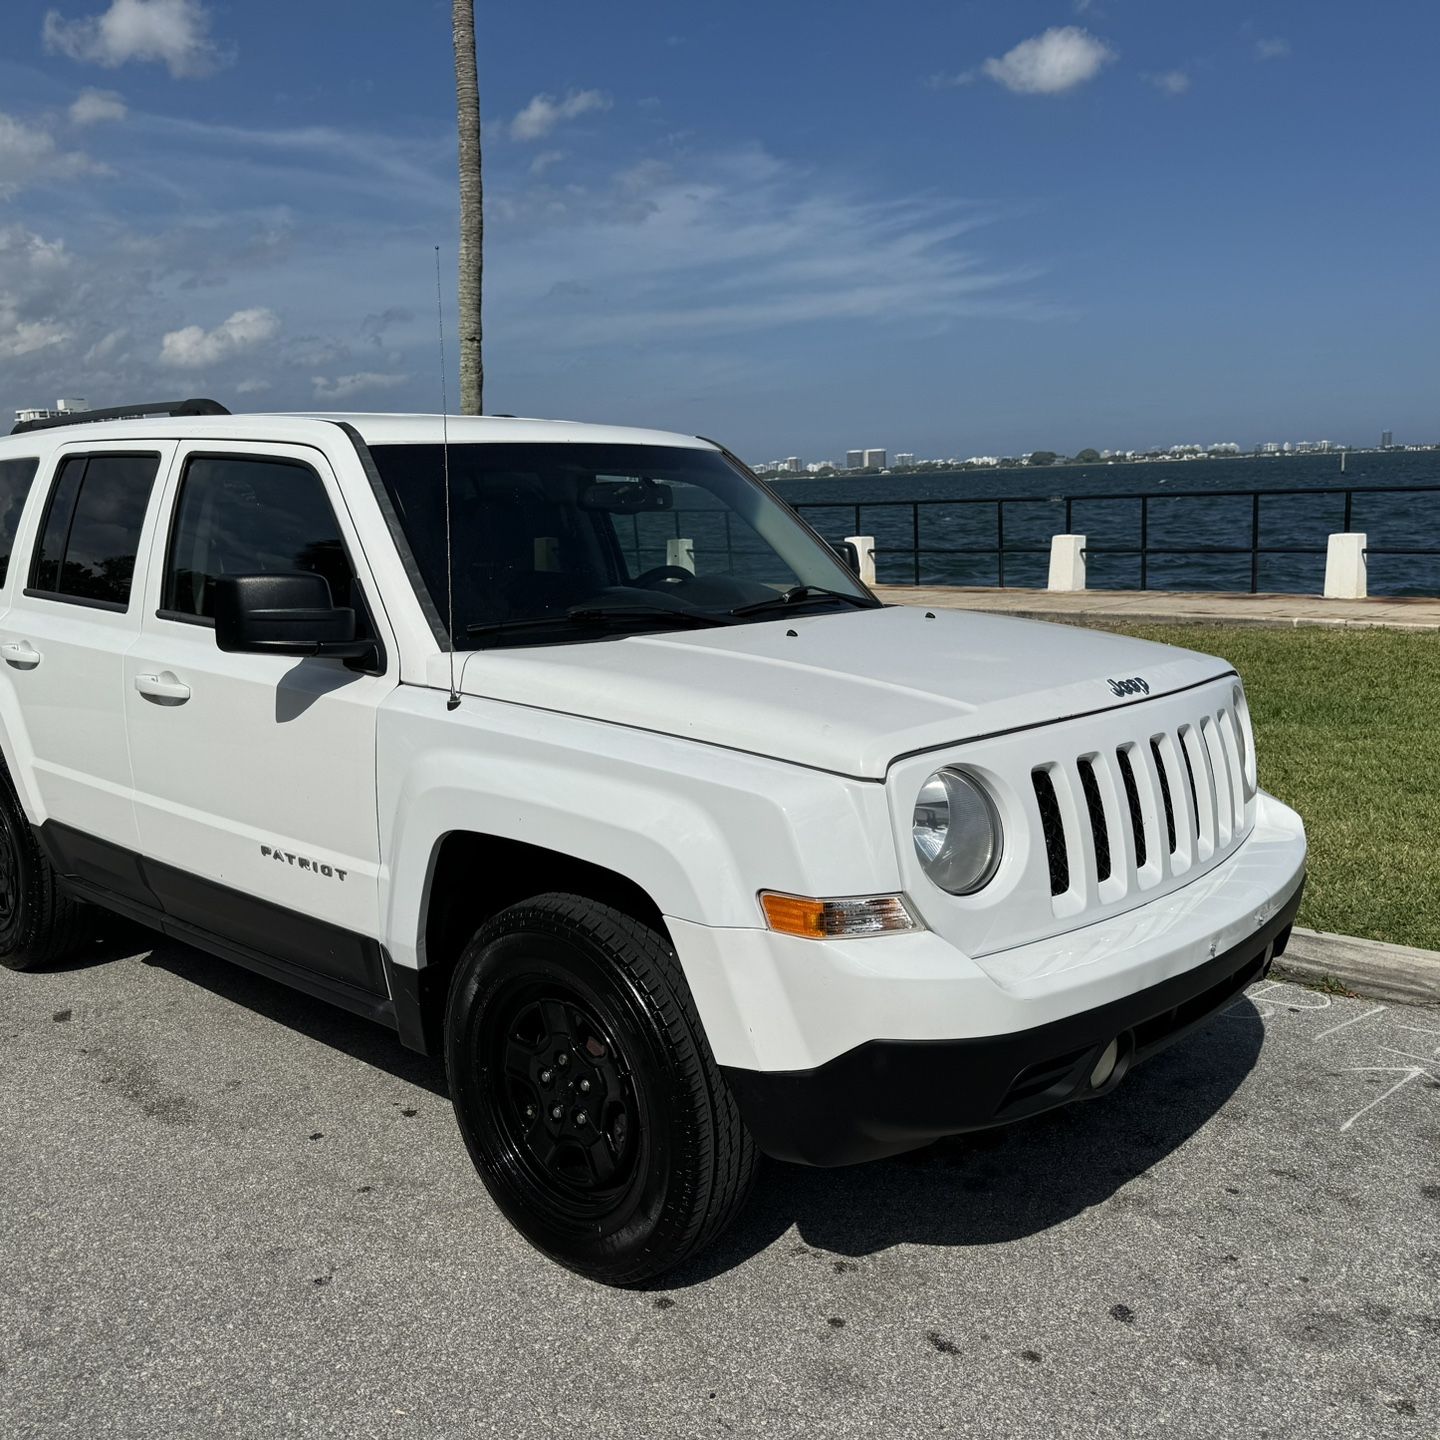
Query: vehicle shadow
x=979, y=1189
x=317, y=1020
x=1003, y=1184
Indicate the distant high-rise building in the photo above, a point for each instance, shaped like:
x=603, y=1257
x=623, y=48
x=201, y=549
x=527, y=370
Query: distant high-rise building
x=1387, y=439
x=874, y=459
x=904, y=458
x=62, y=407
x=854, y=459
x=792, y=464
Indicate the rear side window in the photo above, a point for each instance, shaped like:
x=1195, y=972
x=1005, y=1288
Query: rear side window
x=92, y=529
x=15, y=478
x=244, y=515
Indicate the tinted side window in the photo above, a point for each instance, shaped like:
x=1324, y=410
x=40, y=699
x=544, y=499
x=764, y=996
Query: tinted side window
x=239, y=515
x=92, y=528
x=15, y=478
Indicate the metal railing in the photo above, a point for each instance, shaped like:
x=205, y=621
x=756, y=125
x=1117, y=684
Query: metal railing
x=1254, y=546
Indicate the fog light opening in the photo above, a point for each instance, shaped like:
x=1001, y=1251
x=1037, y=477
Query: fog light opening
x=1105, y=1065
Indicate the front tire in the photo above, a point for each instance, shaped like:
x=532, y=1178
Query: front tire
x=587, y=1094
x=40, y=922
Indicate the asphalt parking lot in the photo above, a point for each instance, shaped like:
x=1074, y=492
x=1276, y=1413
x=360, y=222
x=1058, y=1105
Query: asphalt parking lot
x=228, y=1210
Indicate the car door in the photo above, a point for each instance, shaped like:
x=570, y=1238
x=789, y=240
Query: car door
x=255, y=774
x=75, y=611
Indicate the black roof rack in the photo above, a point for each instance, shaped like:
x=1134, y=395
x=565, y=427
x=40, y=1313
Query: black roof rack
x=122, y=412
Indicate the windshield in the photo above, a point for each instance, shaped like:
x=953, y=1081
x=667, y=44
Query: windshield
x=573, y=542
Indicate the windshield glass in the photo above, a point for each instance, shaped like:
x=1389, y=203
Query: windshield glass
x=572, y=542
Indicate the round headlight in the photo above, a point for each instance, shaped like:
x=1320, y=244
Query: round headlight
x=957, y=832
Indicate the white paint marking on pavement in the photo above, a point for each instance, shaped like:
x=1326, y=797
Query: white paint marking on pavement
x=1353, y=1020
x=1262, y=987
x=1267, y=1004
x=1409, y=1074
x=1417, y=1030
x=1423, y=1059
x=1302, y=999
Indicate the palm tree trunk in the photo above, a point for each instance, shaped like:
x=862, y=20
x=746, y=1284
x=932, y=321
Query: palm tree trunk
x=472, y=210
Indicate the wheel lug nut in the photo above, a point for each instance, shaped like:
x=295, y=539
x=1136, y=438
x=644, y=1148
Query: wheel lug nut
x=529, y=1112
x=581, y=1118
x=546, y=1076
x=557, y=1111
x=562, y=1059
x=585, y=1087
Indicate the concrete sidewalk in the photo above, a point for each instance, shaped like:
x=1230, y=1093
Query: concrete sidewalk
x=1176, y=606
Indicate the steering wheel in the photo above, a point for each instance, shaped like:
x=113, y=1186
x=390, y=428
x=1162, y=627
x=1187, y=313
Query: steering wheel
x=649, y=578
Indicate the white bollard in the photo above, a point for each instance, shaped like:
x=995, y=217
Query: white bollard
x=865, y=548
x=1345, y=577
x=681, y=552
x=1067, y=562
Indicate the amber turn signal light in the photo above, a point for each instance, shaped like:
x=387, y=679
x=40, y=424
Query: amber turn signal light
x=836, y=919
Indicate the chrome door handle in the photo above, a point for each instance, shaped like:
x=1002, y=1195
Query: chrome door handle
x=164, y=688
x=20, y=654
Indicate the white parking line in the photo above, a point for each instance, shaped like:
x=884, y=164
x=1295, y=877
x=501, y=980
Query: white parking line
x=1411, y=1072
x=1353, y=1020
x=1423, y=1059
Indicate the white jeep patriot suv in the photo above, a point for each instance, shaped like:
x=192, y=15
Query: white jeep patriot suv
x=573, y=754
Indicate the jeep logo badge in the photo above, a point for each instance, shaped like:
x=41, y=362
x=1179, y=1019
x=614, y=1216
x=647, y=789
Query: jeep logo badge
x=1133, y=686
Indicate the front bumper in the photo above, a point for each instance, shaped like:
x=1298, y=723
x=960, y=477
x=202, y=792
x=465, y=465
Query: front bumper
x=888, y=1096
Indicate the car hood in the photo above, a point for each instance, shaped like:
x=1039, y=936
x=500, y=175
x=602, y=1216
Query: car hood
x=847, y=692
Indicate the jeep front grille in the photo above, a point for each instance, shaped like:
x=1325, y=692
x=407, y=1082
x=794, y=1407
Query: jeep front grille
x=1118, y=821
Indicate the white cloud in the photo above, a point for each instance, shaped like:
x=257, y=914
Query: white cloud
x=29, y=154
x=253, y=387
x=174, y=33
x=91, y=107
x=24, y=150
x=26, y=337
x=1170, y=82
x=342, y=387
x=737, y=244
x=194, y=346
x=545, y=112
x=105, y=346
x=1275, y=48
x=33, y=281
x=1050, y=64
x=546, y=160
x=944, y=81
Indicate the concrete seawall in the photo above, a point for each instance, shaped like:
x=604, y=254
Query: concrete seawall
x=1145, y=607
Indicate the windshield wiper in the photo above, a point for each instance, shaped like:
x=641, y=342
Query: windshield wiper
x=599, y=617
x=798, y=595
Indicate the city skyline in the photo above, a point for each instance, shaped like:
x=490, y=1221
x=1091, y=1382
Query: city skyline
x=856, y=459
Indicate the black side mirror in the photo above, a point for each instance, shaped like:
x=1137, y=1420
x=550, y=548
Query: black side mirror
x=848, y=555
x=284, y=614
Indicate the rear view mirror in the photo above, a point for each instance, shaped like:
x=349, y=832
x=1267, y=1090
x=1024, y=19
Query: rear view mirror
x=627, y=497
x=284, y=614
x=848, y=555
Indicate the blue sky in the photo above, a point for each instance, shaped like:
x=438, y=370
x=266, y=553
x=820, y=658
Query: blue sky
x=800, y=226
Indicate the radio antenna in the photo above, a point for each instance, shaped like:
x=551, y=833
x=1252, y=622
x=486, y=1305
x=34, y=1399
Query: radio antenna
x=453, y=703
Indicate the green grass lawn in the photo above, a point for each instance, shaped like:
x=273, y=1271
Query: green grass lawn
x=1347, y=730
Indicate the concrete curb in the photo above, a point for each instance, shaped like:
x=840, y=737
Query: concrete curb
x=1208, y=617
x=1369, y=967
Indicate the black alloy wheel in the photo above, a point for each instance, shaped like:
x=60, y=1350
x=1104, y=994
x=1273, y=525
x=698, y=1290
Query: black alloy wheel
x=586, y=1091
x=566, y=1105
